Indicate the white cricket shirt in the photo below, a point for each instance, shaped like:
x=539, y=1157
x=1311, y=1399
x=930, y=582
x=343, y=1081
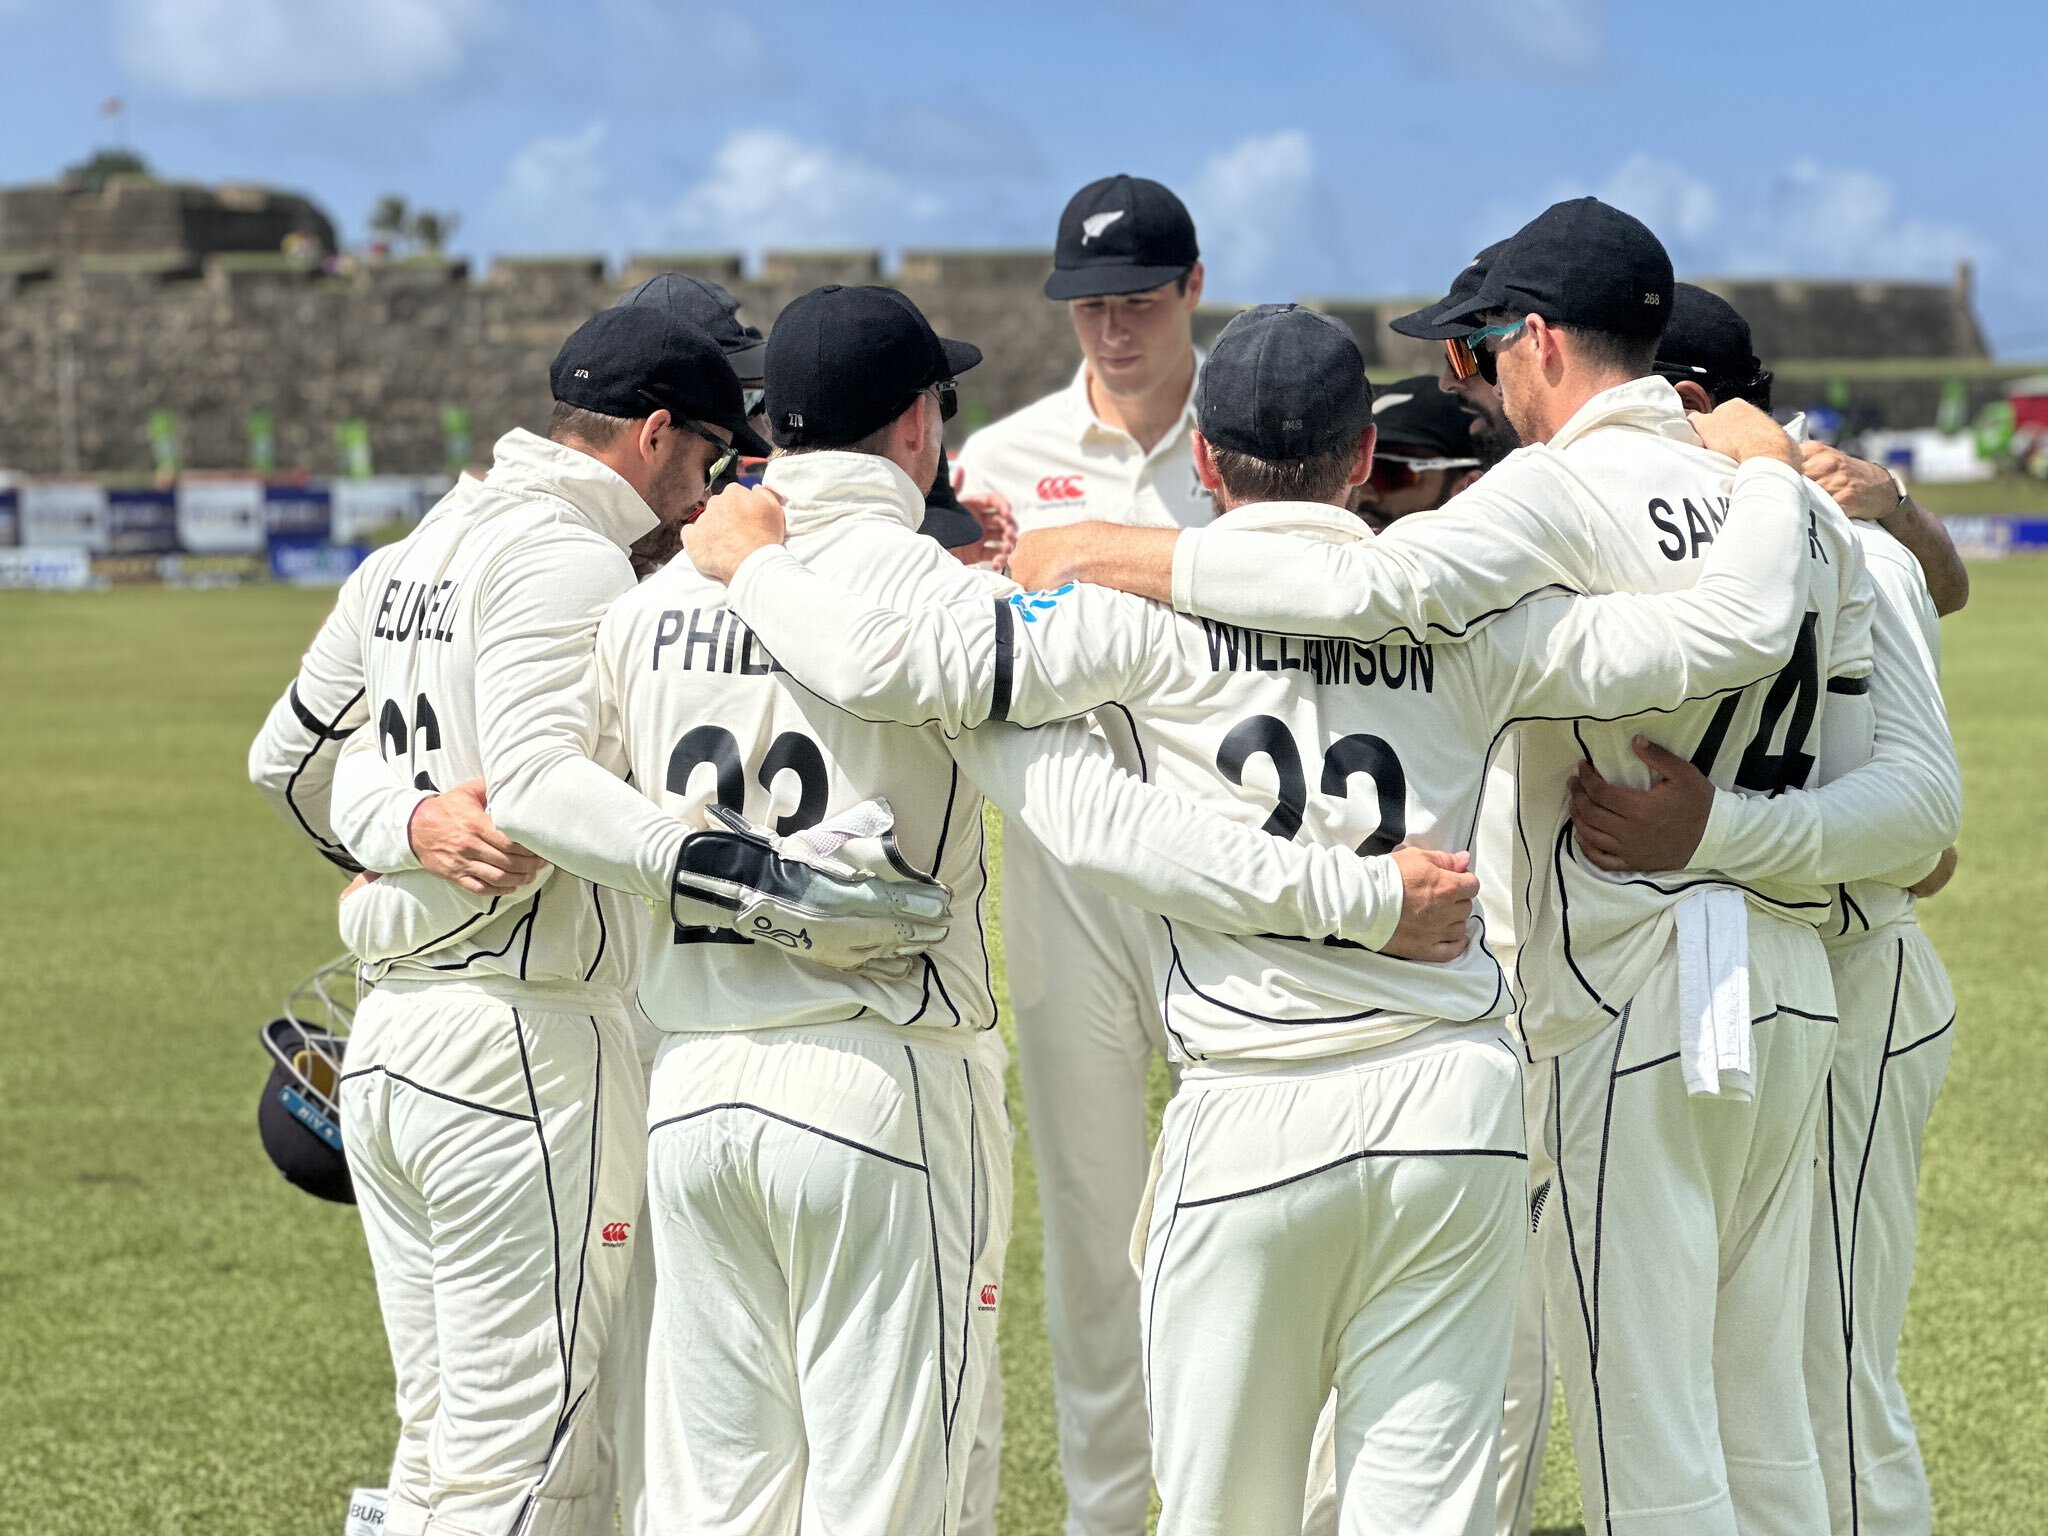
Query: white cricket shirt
x=705, y=713
x=1058, y=462
x=1340, y=744
x=1622, y=499
x=477, y=640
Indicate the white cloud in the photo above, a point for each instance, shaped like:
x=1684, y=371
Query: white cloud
x=253, y=50
x=763, y=189
x=766, y=189
x=554, y=195
x=1804, y=219
x=1667, y=197
x=1268, y=225
x=1564, y=35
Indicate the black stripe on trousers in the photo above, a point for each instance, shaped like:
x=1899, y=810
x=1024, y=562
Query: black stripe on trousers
x=1564, y=1201
x=1891, y=1023
x=938, y=1268
x=1159, y=1269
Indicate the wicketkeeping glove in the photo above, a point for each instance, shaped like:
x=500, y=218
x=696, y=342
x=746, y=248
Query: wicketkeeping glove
x=837, y=894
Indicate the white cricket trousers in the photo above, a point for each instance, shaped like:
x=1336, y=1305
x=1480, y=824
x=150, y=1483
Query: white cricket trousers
x=495, y=1140
x=1898, y=1014
x=1532, y=1371
x=831, y=1205
x=1674, y=1241
x=1355, y=1224
x=1080, y=969
x=1525, y=1410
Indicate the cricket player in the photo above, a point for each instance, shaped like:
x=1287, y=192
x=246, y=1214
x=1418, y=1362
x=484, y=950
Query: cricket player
x=829, y=1153
x=1525, y=1411
x=1897, y=1008
x=1375, y=1244
x=1687, y=1024
x=1115, y=444
x=492, y=1095
x=1425, y=453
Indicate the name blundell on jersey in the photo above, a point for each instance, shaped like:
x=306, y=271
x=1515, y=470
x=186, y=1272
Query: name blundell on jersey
x=424, y=611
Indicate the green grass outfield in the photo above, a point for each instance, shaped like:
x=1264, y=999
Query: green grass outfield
x=188, y=1345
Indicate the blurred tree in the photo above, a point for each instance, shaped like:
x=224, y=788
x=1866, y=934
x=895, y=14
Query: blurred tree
x=93, y=172
x=390, y=218
x=432, y=231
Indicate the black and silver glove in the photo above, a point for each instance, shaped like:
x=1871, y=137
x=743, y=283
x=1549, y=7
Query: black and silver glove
x=839, y=894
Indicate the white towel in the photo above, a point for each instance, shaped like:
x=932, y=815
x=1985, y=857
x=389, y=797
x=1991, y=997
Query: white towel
x=1715, y=1048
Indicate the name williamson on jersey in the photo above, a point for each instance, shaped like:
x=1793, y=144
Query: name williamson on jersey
x=1339, y=662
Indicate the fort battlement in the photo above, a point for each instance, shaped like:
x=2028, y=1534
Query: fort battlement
x=146, y=297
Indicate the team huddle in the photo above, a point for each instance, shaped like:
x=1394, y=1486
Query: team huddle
x=1501, y=798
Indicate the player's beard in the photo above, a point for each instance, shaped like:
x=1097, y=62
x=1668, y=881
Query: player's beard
x=1493, y=439
x=652, y=550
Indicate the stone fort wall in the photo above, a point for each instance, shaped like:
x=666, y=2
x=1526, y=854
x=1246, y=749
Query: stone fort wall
x=114, y=308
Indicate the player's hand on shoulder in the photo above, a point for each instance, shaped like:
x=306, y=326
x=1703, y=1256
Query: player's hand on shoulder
x=1741, y=431
x=1625, y=830
x=1437, y=892
x=454, y=838
x=1859, y=488
x=737, y=521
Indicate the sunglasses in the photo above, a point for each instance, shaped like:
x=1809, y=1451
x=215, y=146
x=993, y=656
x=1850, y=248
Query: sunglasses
x=726, y=451
x=949, y=398
x=1468, y=357
x=1396, y=472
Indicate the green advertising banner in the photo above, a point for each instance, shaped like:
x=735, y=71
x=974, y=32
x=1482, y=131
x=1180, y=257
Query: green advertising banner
x=163, y=441
x=352, y=442
x=262, y=442
x=457, y=442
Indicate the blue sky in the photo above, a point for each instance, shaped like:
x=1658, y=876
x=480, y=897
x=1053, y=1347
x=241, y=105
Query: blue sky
x=1326, y=146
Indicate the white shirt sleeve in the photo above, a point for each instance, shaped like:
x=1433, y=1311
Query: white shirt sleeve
x=1149, y=847
x=1435, y=575
x=292, y=758
x=1887, y=819
x=934, y=664
x=373, y=806
x=538, y=725
x=985, y=650
x=403, y=916
x=1623, y=654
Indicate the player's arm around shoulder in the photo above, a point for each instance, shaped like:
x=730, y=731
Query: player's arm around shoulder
x=1163, y=853
x=291, y=760
x=1621, y=654
x=1432, y=576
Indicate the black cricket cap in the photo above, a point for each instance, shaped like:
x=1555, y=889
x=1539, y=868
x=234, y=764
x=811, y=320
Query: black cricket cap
x=1580, y=263
x=1708, y=341
x=844, y=362
x=944, y=518
x=296, y=1125
x=1122, y=234
x=1283, y=382
x=1428, y=324
x=635, y=359
x=710, y=308
x=1416, y=418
